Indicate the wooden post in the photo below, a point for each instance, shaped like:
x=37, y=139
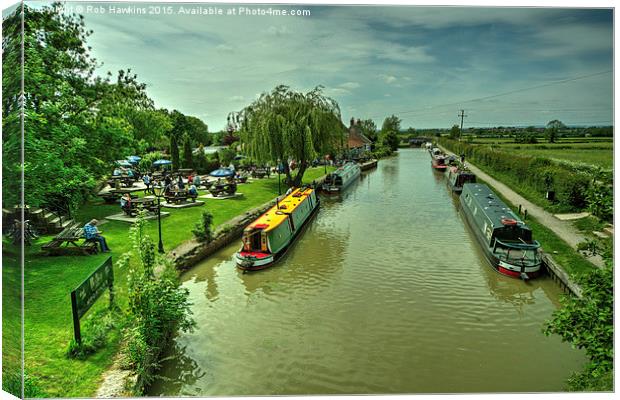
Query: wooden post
x=76, y=319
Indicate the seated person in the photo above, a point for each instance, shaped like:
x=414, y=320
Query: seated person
x=197, y=181
x=126, y=203
x=117, y=172
x=93, y=234
x=192, y=190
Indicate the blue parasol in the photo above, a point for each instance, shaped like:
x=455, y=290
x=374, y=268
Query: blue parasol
x=123, y=163
x=222, y=173
x=134, y=159
x=162, y=162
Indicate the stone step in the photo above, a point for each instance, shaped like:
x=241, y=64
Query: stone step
x=66, y=223
x=600, y=235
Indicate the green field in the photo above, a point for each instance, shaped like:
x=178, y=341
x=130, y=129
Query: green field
x=49, y=281
x=592, y=151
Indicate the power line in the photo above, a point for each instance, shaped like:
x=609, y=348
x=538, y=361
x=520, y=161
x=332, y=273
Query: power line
x=559, y=82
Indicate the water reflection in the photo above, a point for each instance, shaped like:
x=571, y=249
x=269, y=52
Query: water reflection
x=385, y=292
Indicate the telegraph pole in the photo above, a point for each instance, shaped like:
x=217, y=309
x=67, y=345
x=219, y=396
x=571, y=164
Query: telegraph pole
x=462, y=115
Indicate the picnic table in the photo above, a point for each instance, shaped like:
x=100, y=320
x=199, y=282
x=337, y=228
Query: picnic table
x=137, y=204
x=223, y=188
x=124, y=180
x=260, y=173
x=68, y=242
x=114, y=195
x=179, y=197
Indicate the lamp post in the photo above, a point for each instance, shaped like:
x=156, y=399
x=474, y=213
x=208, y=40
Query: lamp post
x=279, y=167
x=158, y=190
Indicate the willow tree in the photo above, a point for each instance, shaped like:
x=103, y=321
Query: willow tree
x=286, y=125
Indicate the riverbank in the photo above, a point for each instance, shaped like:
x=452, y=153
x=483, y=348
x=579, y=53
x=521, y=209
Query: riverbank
x=558, y=239
x=49, y=280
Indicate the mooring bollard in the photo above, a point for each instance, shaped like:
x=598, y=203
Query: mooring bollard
x=519, y=208
x=525, y=214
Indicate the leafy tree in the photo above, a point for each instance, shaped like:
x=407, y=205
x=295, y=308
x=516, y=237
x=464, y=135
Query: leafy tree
x=369, y=129
x=587, y=323
x=455, y=132
x=285, y=124
x=388, y=136
x=553, y=128
x=174, y=151
x=226, y=156
x=188, y=161
x=197, y=130
x=391, y=123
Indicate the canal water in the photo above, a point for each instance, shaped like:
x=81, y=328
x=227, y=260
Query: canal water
x=385, y=292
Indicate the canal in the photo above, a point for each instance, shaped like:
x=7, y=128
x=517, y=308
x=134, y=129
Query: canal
x=385, y=292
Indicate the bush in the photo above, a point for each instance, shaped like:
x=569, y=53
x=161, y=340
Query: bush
x=158, y=306
x=202, y=231
x=587, y=323
x=600, y=200
x=539, y=174
x=95, y=331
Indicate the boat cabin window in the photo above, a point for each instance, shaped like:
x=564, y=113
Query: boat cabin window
x=517, y=256
x=338, y=180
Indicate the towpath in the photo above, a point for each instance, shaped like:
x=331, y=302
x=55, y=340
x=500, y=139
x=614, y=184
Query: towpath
x=563, y=229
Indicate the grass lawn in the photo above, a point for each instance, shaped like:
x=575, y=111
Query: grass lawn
x=49, y=281
x=11, y=322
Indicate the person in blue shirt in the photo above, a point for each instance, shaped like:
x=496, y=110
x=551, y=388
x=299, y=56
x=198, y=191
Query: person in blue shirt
x=146, y=178
x=93, y=234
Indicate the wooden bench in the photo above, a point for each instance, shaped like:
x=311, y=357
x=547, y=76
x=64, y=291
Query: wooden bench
x=66, y=242
x=260, y=173
x=227, y=188
x=180, y=197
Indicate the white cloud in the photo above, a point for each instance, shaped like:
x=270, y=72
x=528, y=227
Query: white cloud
x=224, y=48
x=237, y=98
x=349, y=85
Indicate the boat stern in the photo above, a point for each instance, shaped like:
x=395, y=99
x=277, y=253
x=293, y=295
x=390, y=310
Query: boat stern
x=253, y=260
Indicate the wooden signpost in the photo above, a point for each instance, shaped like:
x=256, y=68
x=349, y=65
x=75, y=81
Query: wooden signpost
x=85, y=295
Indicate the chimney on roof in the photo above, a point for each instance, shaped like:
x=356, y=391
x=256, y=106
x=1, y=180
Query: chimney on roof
x=352, y=122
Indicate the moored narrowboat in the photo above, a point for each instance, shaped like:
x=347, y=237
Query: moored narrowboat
x=340, y=179
x=458, y=176
x=505, y=239
x=267, y=238
x=438, y=162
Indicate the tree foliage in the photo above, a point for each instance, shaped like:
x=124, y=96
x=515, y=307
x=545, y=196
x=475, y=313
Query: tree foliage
x=389, y=132
x=369, y=129
x=188, y=161
x=76, y=124
x=553, y=128
x=288, y=125
x=587, y=323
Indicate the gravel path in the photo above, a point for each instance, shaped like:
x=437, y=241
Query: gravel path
x=563, y=229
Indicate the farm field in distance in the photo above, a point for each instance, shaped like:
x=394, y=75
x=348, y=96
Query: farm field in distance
x=593, y=151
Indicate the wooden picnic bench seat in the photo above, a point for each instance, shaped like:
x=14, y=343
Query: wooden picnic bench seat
x=180, y=197
x=66, y=242
x=260, y=173
x=228, y=188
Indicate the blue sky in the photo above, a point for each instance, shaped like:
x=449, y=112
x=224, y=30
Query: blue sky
x=422, y=63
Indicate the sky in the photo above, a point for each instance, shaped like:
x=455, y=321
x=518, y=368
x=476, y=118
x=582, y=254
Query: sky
x=503, y=66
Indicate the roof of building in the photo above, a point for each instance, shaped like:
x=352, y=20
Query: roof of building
x=276, y=214
x=490, y=204
x=357, y=138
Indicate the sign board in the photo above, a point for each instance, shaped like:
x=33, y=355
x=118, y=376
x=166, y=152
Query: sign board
x=87, y=293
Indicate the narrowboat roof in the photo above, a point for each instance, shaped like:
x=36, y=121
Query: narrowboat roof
x=276, y=214
x=490, y=204
x=345, y=168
